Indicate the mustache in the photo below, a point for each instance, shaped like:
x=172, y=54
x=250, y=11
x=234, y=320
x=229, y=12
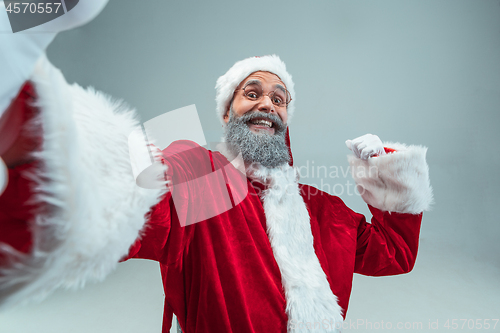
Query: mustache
x=279, y=125
x=268, y=150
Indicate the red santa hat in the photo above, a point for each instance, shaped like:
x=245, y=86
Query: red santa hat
x=227, y=83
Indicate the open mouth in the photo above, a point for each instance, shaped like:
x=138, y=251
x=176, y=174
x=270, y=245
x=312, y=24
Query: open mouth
x=261, y=125
x=262, y=122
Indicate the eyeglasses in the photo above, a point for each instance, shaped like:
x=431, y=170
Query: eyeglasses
x=253, y=91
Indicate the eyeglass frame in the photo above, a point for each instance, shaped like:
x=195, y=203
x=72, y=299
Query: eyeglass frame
x=268, y=94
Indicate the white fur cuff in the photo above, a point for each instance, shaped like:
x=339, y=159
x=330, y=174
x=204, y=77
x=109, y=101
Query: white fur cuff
x=92, y=208
x=396, y=182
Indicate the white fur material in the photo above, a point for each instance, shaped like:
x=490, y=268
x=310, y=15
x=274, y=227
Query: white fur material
x=92, y=209
x=396, y=182
x=227, y=83
x=309, y=298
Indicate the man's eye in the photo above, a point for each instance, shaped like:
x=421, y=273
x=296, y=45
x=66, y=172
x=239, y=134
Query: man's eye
x=277, y=100
x=252, y=95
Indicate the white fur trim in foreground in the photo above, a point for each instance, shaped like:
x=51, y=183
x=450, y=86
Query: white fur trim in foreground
x=397, y=182
x=93, y=209
x=309, y=298
x=227, y=83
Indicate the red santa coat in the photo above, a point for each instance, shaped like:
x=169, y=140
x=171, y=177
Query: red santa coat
x=220, y=274
x=223, y=274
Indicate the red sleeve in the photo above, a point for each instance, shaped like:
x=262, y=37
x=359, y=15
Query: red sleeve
x=187, y=161
x=16, y=210
x=389, y=245
x=153, y=240
x=18, y=141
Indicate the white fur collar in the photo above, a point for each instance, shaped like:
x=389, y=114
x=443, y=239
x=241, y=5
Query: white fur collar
x=311, y=304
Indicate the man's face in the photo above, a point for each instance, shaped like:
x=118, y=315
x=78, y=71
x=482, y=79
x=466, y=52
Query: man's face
x=265, y=83
x=257, y=128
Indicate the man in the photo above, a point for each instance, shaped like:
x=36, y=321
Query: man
x=280, y=259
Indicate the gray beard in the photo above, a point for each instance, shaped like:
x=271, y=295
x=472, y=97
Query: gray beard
x=268, y=150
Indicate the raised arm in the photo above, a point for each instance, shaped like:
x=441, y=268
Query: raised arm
x=394, y=180
x=71, y=209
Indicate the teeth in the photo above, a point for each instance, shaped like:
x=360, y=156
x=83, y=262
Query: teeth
x=263, y=122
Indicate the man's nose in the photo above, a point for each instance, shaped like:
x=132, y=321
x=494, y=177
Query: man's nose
x=266, y=105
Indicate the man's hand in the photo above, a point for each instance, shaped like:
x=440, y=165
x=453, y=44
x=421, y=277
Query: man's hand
x=366, y=146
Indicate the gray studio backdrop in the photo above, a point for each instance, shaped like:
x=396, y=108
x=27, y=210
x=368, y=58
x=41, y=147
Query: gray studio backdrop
x=419, y=72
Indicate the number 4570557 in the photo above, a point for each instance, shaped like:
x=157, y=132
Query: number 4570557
x=33, y=8
x=471, y=324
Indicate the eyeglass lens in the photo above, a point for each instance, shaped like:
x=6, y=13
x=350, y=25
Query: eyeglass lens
x=254, y=92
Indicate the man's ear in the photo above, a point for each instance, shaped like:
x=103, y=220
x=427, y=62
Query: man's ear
x=226, y=117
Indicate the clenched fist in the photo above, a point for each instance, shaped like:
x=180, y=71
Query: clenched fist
x=366, y=146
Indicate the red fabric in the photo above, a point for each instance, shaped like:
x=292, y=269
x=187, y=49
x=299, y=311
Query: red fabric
x=18, y=138
x=220, y=274
x=389, y=150
x=16, y=210
x=17, y=142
